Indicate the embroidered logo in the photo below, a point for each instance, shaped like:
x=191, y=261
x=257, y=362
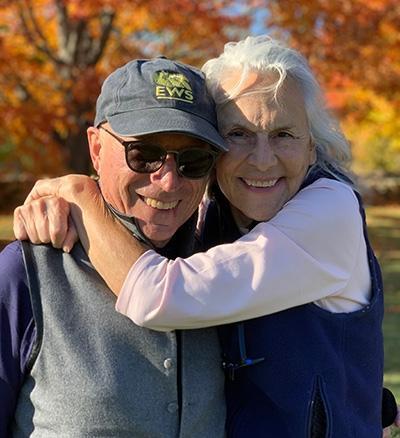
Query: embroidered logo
x=171, y=85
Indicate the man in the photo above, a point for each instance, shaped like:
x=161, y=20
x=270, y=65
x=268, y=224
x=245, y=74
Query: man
x=69, y=364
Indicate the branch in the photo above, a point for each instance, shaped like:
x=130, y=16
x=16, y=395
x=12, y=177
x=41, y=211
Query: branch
x=35, y=36
x=97, y=47
x=63, y=29
x=79, y=38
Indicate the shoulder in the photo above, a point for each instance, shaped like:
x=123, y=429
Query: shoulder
x=325, y=202
x=16, y=326
x=327, y=193
x=12, y=267
x=15, y=300
x=324, y=216
x=329, y=189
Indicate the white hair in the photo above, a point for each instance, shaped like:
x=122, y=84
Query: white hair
x=266, y=55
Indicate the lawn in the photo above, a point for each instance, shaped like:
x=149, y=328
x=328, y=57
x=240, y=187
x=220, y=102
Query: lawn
x=6, y=232
x=384, y=229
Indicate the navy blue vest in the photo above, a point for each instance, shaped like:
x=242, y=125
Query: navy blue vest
x=303, y=372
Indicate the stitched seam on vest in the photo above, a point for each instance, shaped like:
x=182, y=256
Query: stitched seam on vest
x=35, y=301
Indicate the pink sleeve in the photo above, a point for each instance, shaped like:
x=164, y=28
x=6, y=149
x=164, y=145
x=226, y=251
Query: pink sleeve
x=308, y=252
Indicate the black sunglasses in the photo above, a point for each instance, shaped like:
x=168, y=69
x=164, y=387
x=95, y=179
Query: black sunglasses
x=193, y=163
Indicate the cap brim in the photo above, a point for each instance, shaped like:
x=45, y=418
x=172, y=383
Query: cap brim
x=156, y=120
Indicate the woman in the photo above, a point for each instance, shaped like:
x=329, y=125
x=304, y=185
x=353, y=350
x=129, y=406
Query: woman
x=311, y=362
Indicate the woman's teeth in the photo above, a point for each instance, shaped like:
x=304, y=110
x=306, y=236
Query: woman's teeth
x=259, y=183
x=160, y=205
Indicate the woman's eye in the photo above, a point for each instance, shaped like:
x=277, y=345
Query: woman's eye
x=284, y=134
x=236, y=134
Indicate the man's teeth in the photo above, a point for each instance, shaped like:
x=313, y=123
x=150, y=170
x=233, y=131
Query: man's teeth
x=160, y=205
x=259, y=183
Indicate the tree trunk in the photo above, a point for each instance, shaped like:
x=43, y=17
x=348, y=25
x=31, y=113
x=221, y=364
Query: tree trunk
x=77, y=152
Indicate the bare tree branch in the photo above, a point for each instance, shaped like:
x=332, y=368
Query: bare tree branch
x=78, y=37
x=43, y=44
x=32, y=31
x=63, y=29
x=97, y=48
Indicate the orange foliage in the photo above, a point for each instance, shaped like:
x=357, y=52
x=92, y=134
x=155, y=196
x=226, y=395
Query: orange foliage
x=54, y=54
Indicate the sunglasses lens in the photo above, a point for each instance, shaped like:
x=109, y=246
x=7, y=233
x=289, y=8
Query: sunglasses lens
x=191, y=163
x=145, y=158
x=195, y=163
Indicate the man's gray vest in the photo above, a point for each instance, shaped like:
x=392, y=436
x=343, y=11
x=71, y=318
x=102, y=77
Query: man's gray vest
x=96, y=374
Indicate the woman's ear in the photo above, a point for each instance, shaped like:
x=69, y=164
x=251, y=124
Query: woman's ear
x=93, y=135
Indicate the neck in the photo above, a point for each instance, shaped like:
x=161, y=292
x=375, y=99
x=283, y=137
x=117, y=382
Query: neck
x=240, y=219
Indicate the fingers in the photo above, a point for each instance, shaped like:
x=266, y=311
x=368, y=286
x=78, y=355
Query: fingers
x=65, y=187
x=44, y=220
x=71, y=237
x=43, y=187
x=24, y=228
x=58, y=211
x=19, y=226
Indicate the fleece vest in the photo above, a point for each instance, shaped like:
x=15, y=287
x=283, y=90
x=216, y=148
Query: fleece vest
x=94, y=373
x=305, y=372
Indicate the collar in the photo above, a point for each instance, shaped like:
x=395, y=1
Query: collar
x=182, y=243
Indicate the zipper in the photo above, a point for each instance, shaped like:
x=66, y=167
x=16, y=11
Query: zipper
x=318, y=418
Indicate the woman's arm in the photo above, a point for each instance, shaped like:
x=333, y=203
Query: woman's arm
x=308, y=253
x=44, y=218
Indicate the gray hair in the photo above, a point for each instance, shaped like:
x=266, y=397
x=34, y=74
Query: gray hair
x=264, y=54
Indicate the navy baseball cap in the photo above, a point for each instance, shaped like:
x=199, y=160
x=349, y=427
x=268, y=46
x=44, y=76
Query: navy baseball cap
x=149, y=96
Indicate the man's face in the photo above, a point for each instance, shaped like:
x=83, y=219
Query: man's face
x=161, y=201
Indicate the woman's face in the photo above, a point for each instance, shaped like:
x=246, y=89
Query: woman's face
x=270, y=149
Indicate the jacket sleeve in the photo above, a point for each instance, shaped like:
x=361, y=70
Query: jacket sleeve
x=17, y=331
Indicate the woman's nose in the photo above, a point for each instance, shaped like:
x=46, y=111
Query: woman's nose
x=263, y=155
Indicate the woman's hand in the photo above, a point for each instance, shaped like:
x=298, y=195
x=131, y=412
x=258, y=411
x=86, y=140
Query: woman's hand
x=73, y=188
x=45, y=215
x=46, y=220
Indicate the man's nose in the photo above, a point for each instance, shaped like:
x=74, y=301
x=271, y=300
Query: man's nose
x=167, y=177
x=263, y=155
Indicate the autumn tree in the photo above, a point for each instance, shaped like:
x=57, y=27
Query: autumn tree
x=54, y=54
x=354, y=46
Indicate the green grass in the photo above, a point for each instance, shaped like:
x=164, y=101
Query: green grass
x=384, y=230
x=6, y=232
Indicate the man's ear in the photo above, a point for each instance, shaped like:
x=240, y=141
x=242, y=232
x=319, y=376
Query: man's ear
x=93, y=135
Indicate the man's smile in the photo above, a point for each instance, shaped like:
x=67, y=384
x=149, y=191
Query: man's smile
x=159, y=205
